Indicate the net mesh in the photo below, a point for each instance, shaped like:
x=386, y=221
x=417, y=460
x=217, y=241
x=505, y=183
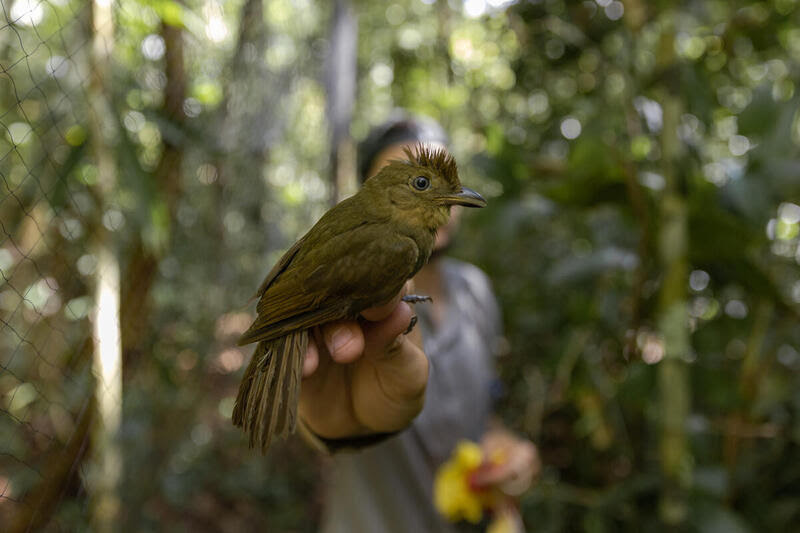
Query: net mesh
x=49, y=214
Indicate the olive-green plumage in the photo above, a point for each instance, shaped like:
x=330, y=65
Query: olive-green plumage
x=358, y=255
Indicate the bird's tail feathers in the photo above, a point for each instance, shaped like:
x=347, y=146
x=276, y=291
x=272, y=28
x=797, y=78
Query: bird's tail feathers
x=266, y=405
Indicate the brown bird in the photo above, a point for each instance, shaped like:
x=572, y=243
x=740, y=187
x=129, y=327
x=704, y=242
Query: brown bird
x=358, y=255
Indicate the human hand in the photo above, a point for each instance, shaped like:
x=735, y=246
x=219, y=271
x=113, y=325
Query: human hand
x=364, y=376
x=512, y=463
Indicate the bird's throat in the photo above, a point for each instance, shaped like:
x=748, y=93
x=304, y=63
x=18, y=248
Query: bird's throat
x=435, y=218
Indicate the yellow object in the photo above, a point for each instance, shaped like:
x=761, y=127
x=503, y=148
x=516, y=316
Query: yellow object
x=454, y=495
x=503, y=523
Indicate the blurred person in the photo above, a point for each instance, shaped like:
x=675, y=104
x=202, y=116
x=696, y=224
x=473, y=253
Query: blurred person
x=365, y=381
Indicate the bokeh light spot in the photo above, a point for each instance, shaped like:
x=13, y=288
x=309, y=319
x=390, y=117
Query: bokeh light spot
x=19, y=133
x=736, y=309
x=570, y=128
x=474, y=8
x=738, y=145
x=153, y=47
x=698, y=280
x=614, y=10
x=27, y=12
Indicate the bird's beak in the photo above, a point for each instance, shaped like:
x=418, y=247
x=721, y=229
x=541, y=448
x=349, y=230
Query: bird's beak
x=467, y=197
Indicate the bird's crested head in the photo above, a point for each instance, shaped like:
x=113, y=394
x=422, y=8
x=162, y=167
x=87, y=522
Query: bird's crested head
x=427, y=178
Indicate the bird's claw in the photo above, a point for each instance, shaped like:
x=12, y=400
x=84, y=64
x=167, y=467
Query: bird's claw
x=411, y=324
x=415, y=299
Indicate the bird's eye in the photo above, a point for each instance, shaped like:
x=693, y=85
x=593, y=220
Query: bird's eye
x=421, y=183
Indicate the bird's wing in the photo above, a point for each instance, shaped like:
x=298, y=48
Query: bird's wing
x=279, y=267
x=322, y=231
x=336, y=279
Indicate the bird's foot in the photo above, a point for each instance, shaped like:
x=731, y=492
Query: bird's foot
x=411, y=324
x=415, y=299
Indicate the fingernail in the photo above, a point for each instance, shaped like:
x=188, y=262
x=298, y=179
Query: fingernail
x=339, y=338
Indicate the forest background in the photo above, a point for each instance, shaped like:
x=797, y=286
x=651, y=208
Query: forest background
x=642, y=165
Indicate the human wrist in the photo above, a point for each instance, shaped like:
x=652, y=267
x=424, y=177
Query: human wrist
x=341, y=444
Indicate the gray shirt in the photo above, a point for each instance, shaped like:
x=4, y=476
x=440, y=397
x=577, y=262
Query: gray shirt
x=389, y=487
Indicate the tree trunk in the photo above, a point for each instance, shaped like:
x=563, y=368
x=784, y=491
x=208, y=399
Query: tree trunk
x=673, y=325
x=143, y=263
x=341, y=85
